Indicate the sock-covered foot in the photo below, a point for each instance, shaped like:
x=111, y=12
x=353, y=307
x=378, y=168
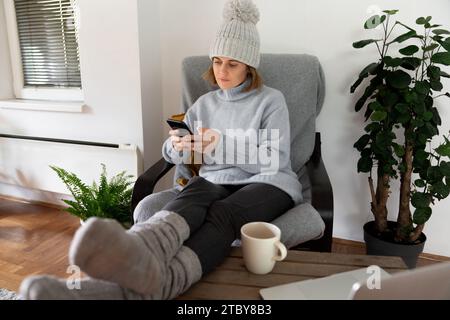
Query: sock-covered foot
x=52, y=288
x=104, y=250
x=165, y=232
x=182, y=272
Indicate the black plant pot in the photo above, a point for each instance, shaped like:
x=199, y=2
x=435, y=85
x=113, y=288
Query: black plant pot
x=387, y=247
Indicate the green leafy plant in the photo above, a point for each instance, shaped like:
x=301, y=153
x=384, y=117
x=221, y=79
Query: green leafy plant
x=402, y=121
x=108, y=199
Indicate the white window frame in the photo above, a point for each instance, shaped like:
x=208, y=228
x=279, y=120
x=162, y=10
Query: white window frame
x=31, y=93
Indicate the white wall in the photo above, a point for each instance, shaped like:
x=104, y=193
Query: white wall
x=150, y=66
x=327, y=29
x=6, y=88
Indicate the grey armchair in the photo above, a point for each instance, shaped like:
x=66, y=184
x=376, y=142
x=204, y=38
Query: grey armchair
x=308, y=226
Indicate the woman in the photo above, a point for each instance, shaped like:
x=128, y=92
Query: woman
x=161, y=256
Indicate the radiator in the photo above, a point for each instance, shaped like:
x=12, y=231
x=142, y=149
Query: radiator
x=25, y=161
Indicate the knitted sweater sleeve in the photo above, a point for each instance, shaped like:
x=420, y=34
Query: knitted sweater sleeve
x=170, y=154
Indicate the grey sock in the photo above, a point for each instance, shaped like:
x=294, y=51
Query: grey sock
x=170, y=230
x=52, y=288
x=134, y=259
x=182, y=272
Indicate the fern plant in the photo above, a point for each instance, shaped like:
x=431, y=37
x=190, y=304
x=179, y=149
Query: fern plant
x=107, y=199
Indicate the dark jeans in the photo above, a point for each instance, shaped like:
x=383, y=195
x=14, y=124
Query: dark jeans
x=215, y=214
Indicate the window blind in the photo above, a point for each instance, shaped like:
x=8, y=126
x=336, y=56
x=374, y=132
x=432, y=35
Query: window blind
x=48, y=43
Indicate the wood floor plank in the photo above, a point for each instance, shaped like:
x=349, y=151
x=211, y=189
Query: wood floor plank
x=34, y=239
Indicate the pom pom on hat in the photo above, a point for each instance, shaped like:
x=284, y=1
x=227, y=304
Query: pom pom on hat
x=243, y=10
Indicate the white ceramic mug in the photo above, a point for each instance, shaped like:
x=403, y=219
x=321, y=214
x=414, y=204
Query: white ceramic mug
x=261, y=246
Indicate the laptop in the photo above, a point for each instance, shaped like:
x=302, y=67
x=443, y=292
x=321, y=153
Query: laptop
x=431, y=282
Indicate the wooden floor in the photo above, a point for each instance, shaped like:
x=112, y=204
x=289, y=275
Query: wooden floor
x=34, y=239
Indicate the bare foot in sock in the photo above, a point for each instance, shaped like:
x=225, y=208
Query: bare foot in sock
x=52, y=288
x=104, y=250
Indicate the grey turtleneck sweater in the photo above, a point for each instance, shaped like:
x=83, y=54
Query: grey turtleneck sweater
x=254, y=146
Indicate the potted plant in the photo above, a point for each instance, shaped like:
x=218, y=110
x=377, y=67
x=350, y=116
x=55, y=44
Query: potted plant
x=401, y=123
x=108, y=199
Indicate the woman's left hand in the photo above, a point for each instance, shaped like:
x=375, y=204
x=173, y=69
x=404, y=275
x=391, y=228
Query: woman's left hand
x=206, y=140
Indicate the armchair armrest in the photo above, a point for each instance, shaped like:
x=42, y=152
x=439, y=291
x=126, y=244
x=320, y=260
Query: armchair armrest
x=322, y=198
x=147, y=181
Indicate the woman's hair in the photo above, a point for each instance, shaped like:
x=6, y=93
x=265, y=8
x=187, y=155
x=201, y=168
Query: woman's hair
x=256, y=83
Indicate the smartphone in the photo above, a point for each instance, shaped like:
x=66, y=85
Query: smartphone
x=177, y=124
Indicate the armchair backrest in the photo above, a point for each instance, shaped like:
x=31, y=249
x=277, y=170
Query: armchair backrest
x=298, y=76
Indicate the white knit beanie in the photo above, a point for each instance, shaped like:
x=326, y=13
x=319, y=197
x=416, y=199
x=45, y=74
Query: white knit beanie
x=237, y=37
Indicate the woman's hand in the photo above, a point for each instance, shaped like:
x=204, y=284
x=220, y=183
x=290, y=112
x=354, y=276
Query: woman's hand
x=204, y=142
x=208, y=139
x=179, y=142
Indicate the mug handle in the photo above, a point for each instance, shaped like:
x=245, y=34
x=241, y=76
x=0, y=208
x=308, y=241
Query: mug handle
x=282, y=251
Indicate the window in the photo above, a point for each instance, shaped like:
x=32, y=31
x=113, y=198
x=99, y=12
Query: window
x=44, y=49
x=48, y=43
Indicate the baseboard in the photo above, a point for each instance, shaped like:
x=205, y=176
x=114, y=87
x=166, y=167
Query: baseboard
x=346, y=242
x=434, y=257
x=361, y=245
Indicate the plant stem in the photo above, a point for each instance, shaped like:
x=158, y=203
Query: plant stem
x=372, y=192
x=422, y=63
x=439, y=96
x=388, y=35
x=391, y=29
x=379, y=201
x=404, y=218
x=413, y=236
x=385, y=27
x=379, y=51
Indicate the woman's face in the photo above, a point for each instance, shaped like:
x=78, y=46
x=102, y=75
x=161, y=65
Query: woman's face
x=229, y=73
